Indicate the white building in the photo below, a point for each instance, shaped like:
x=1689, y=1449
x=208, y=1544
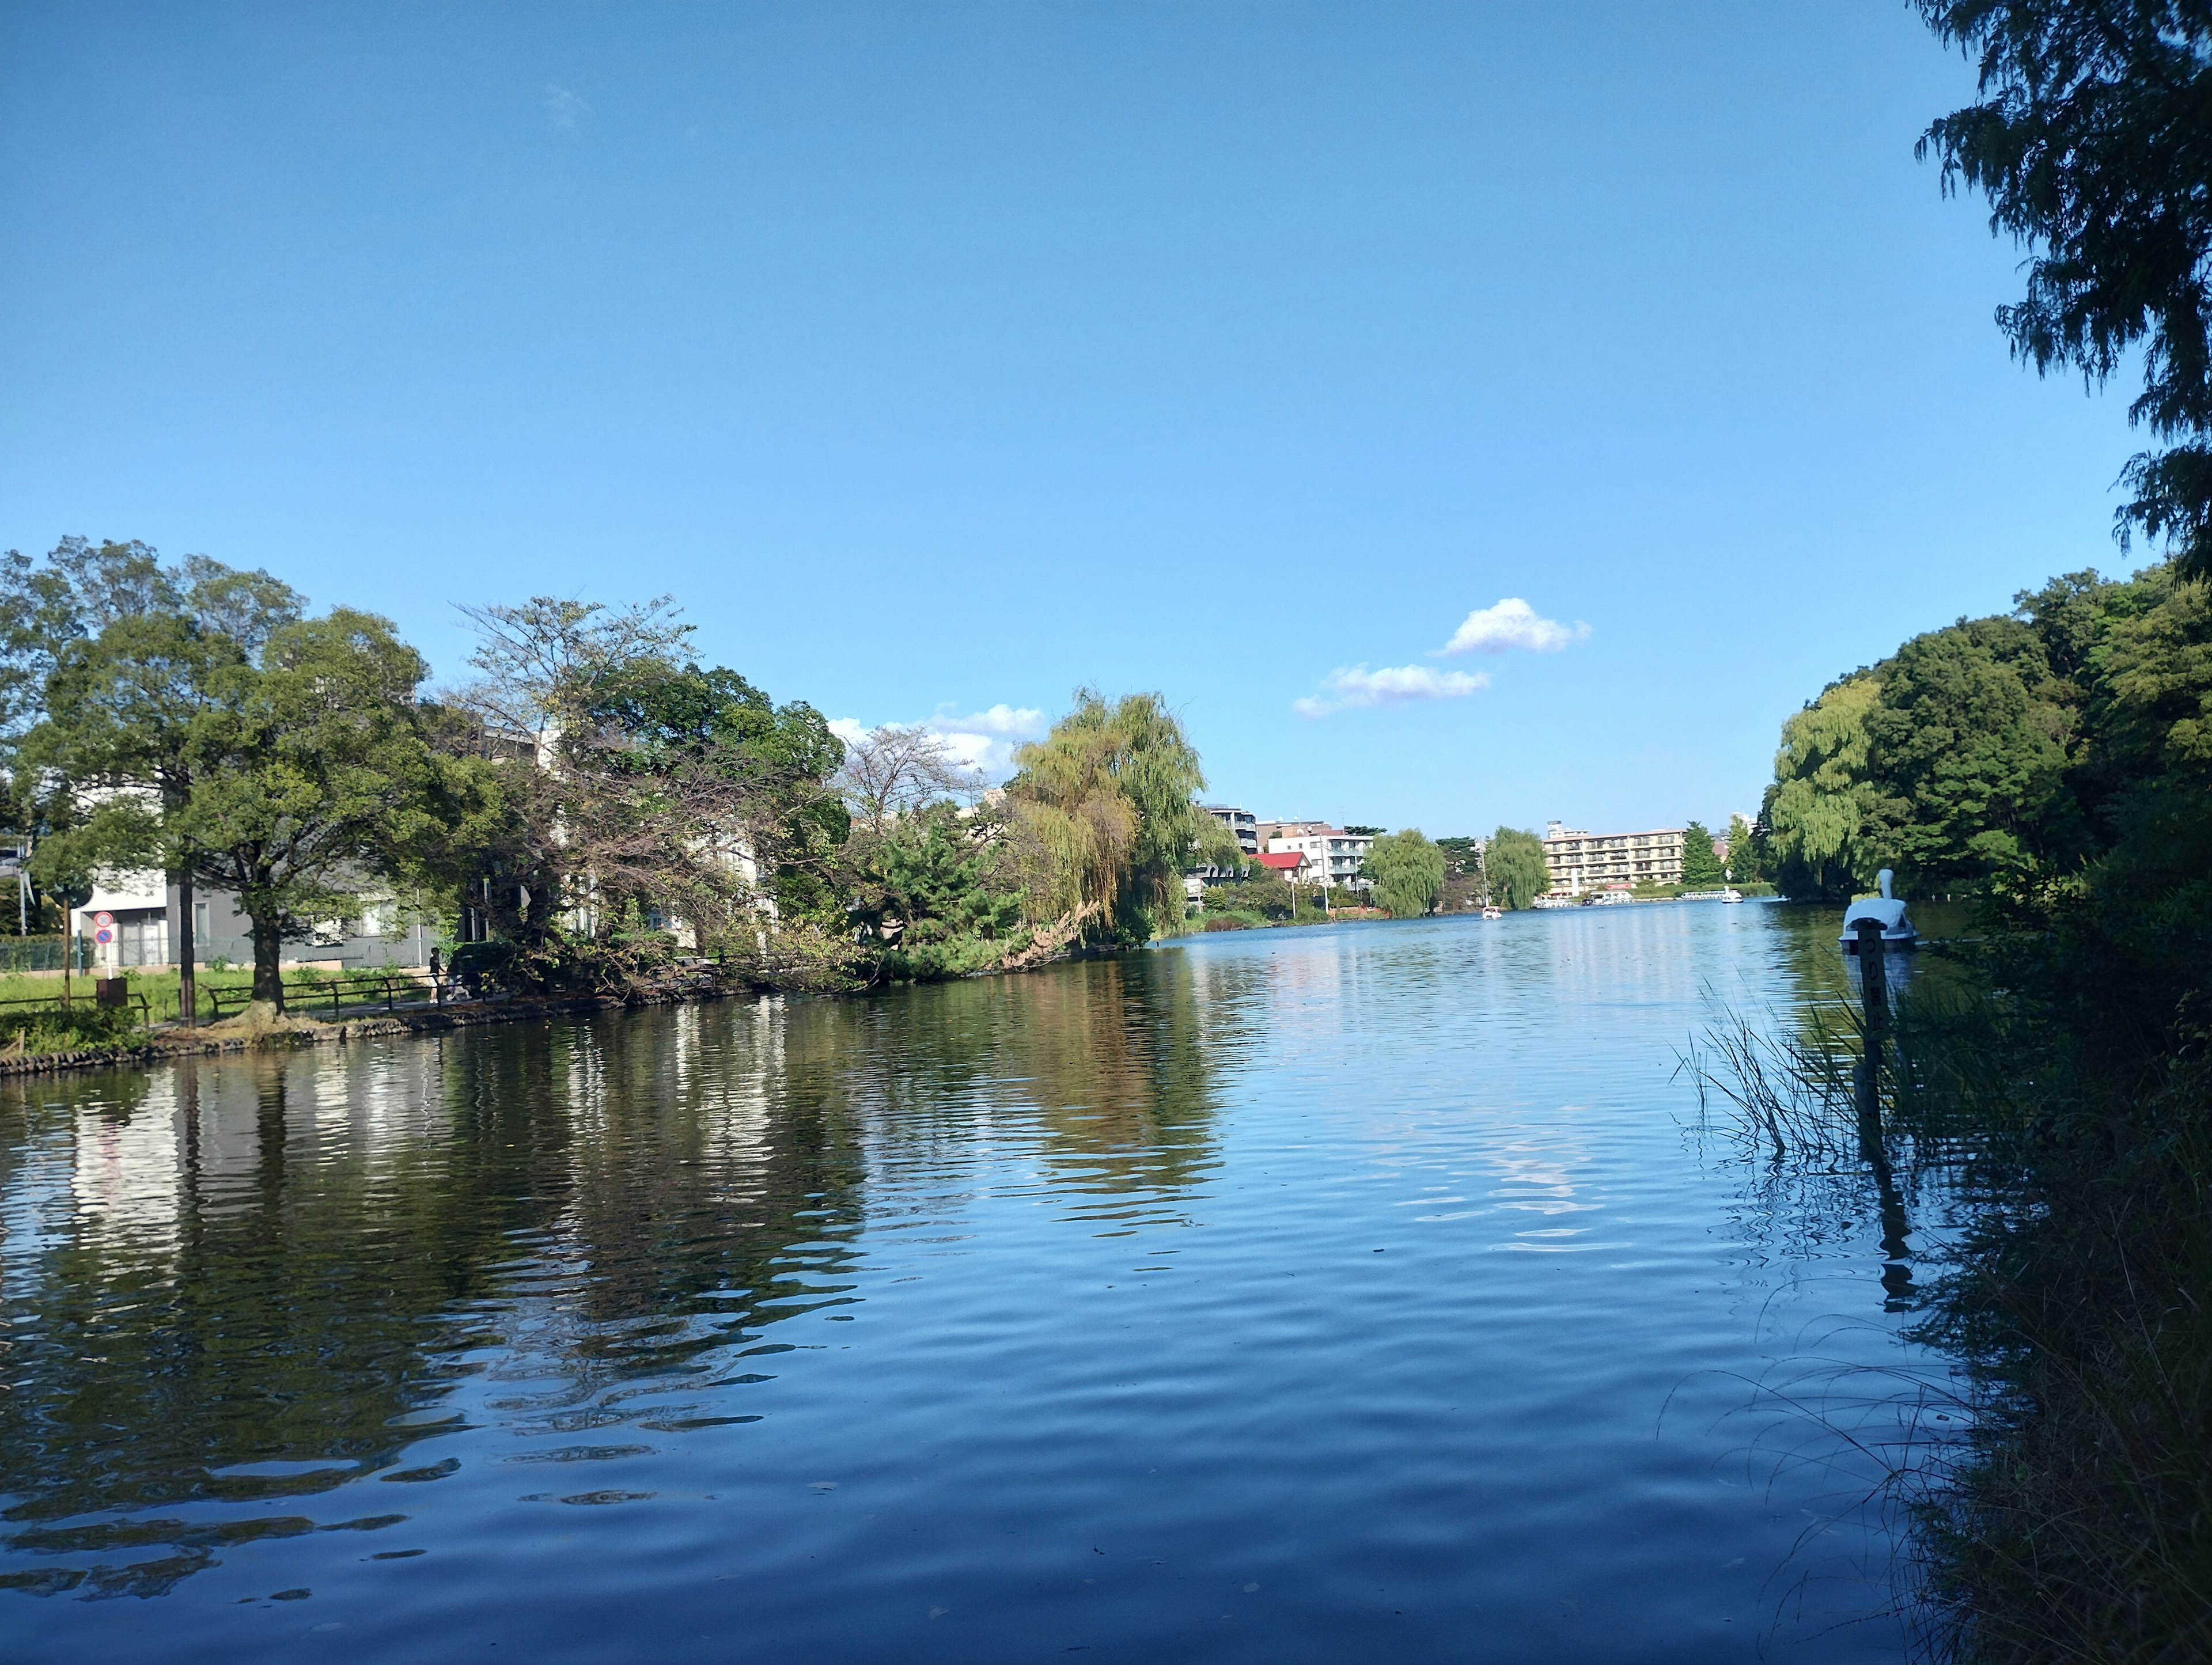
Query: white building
x=137, y=913
x=1333, y=855
x=1580, y=861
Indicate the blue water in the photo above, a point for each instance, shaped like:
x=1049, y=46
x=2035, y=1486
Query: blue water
x=1357, y=1292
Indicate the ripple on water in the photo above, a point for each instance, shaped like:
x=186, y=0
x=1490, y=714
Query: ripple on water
x=1360, y=1284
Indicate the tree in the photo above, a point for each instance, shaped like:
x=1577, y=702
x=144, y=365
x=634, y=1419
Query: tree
x=312, y=776
x=1264, y=892
x=1821, y=799
x=79, y=590
x=1408, y=872
x=1701, y=863
x=1105, y=816
x=1461, y=854
x=123, y=708
x=636, y=789
x=1217, y=848
x=288, y=780
x=1513, y=862
x=936, y=890
x=1746, y=857
x=2091, y=139
x=893, y=771
x=1964, y=763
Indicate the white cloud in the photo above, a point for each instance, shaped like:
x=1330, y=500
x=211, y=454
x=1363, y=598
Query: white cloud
x=1511, y=623
x=982, y=740
x=563, y=106
x=1018, y=721
x=1356, y=685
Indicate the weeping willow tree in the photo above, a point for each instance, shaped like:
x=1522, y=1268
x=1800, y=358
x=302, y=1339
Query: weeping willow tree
x=1104, y=816
x=1820, y=802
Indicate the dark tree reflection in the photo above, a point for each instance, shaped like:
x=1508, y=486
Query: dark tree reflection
x=239, y=1292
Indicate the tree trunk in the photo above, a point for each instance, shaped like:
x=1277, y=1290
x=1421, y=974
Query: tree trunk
x=267, y=963
x=187, y=950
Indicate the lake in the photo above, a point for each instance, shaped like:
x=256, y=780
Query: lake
x=1356, y=1292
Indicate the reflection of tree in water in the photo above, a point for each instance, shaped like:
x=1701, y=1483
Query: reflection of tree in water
x=286, y=1264
x=1780, y=1069
x=1821, y=1214
x=272, y=1262
x=211, y=1276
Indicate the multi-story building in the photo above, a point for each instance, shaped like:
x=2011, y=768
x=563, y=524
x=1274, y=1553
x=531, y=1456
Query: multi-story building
x=1333, y=855
x=1243, y=826
x=1580, y=861
x=1269, y=831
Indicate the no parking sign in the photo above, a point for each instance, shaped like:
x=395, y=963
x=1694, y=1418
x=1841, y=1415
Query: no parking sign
x=103, y=926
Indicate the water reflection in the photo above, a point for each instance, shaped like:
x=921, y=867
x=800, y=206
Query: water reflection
x=1357, y=1265
x=261, y=1281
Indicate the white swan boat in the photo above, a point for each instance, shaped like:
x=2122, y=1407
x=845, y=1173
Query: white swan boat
x=1897, y=927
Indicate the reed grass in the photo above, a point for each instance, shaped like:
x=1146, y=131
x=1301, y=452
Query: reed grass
x=2071, y=1518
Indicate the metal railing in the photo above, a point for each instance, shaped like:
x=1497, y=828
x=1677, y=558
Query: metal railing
x=315, y=997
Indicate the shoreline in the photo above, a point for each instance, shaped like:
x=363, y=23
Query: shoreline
x=171, y=1044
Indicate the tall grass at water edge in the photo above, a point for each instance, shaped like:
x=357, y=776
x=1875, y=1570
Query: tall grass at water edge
x=2072, y=1519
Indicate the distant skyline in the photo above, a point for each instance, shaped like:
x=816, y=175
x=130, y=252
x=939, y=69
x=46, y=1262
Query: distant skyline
x=1462, y=416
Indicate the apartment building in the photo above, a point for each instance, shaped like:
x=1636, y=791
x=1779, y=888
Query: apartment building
x=1333, y=855
x=1243, y=826
x=1579, y=860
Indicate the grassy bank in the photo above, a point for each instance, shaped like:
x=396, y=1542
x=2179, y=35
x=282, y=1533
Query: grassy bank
x=49, y=1027
x=2053, y=1085
x=2077, y=1523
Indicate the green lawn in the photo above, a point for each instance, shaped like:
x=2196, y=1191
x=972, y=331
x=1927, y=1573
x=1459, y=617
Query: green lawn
x=301, y=986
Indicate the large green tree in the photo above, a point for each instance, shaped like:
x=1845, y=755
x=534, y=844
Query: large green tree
x=1821, y=799
x=291, y=777
x=1105, y=814
x=1701, y=867
x=125, y=711
x=313, y=778
x=2091, y=138
x=1408, y=872
x=1513, y=863
x=1966, y=761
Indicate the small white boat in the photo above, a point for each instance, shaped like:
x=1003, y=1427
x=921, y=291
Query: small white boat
x=1897, y=927
x=1731, y=895
x=1493, y=912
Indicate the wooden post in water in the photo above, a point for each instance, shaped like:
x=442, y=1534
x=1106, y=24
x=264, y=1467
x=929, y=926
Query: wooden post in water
x=1874, y=991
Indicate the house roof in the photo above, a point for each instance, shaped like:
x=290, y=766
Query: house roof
x=1283, y=862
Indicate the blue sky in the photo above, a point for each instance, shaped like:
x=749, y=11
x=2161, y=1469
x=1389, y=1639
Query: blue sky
x=941, y=358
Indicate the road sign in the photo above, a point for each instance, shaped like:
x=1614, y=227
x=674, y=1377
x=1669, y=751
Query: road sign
x=103, y=935
x=103, y=918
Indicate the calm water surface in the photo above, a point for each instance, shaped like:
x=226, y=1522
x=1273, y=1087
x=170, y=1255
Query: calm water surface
x=1349, y=1293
